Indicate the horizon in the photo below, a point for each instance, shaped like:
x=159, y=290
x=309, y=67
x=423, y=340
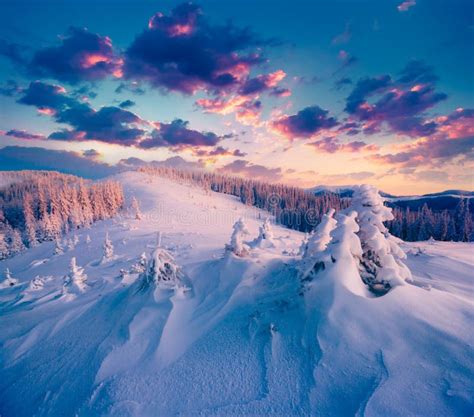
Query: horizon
x=332, y=93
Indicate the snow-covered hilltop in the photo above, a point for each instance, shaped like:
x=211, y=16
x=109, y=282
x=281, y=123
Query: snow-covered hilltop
x=192, y=303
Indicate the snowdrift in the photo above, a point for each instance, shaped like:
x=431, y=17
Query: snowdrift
x=232, y=321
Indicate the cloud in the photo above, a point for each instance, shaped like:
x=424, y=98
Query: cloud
x=262, y=83
x=344, y=36
x=433, y=151
x=403, y=7
x=184, y=52
x=245, y=168
x=176, y=134
x=17, y=158
x=23, y=134
x=82, y=55
x=342, y=82
x=10, y=88
x=126, y=104
x=173, y=162
x=247, y=110
x=398, y=105
x=333, y=145
x=131, y=87
x=218, y=151
x=351, y=176
x=91, y=153
x=12, y=51
x=305, y=124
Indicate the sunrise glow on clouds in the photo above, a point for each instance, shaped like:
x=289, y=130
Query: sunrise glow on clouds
x=263, y=97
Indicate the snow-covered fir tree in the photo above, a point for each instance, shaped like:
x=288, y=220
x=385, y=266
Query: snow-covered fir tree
x=135, y=207
x=321, y=236
x=265, y=237
x=4, y=251
x=162, y=270
x=88, y=239
x=381, y=266
x=30, y=221
x=237, y=245
x=140, y=266
x=15, y=242
x=58, y=248
x=75, y=240
x=76, y=279
x=108, y=247
x=9, y=281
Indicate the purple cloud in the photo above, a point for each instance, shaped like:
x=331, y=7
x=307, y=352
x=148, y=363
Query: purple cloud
x=82, y=55
x=400, y=104
x=177, y=135
x=304, y=124
x=184, y=52
x=23, y=134
x=247, y=169
x=333, y=145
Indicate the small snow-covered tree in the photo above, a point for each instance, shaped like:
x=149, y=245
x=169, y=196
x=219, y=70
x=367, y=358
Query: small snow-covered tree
x=88, y=239
x=162, y=269
x=237, y=245
x=70, y=244
x=76, y=279
x=321, y=236
x=136, y=209
x=9, y=281
x=140, y=266
x=3, y=246
x=58, y=248
x=108, y=249
x=265, y=237
x=381, y=265
x=16, y=243
x=30, y=221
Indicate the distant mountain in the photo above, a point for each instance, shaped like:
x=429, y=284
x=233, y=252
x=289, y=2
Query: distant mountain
x=443, y=200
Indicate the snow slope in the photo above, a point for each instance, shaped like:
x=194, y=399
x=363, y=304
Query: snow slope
x=247, y=339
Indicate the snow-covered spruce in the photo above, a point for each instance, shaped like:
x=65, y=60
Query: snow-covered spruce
x=140, y=266
x=76, y=280
x=265, y=237
x=58, y=248
x=320, y=236
x=9, y=281
x=162, y=270
x=343, y=254
x=137, y=214
x=108, y=254
x=313, y=248
x=381, y=266
x=237, y=245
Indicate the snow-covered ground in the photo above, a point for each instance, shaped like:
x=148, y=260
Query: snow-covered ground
x=248, y=338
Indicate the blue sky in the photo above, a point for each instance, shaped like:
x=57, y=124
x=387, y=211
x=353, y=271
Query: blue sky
x=288, y=77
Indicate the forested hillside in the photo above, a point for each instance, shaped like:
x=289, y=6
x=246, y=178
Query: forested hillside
x=41, y=206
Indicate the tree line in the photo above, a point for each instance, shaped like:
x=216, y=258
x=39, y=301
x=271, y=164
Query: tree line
x=425, y=223
x=297, y=209
x=292, y=207
x=39, y=206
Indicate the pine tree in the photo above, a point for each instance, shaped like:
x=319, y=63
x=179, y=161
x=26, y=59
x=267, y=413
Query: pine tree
x=321, y=236
x=108, y=249
x=162, y=269
x=4, y=252
x=140, y=266
x=30, y=221
x=15, y=242
x=88, y=239
x=58, y=249
x=136, y=209
x=381, y=266
x=76, y=279
x=237, y=246
x=265, y=237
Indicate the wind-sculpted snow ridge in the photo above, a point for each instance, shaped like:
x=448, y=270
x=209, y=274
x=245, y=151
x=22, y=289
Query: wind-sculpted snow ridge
x=214, y=333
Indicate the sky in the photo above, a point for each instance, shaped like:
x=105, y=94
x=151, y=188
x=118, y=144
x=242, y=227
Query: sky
x=301, y=92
